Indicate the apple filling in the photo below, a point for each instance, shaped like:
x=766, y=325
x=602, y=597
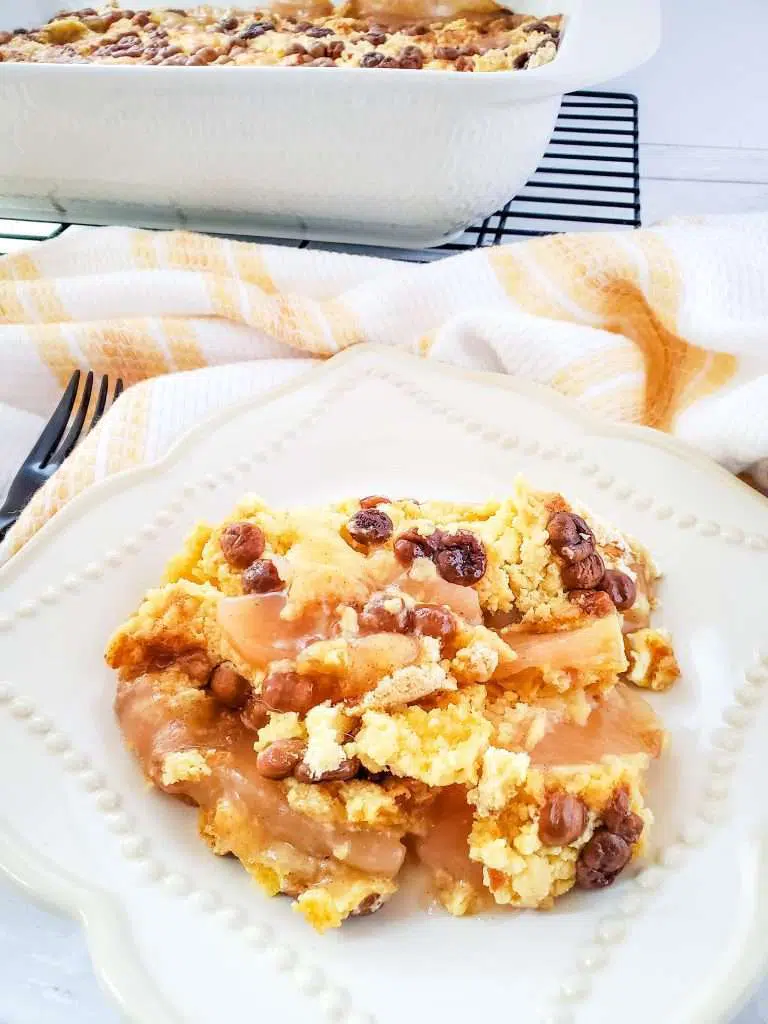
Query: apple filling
x=335, y=687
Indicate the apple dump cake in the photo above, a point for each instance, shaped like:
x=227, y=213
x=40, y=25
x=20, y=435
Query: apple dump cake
x=337, y=688
x=208, y=35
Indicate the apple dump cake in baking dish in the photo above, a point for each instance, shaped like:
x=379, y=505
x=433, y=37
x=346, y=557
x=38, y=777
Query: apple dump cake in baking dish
x=499, y=41
x=379, y=686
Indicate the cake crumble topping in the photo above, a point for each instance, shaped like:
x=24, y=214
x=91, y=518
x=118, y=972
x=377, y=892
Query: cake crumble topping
x=460, y=680
x=207, y=36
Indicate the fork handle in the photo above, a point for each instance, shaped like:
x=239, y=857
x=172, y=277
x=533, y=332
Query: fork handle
x=7, y=519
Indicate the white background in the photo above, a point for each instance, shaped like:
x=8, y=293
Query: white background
x=704, y=130
x=704, y=110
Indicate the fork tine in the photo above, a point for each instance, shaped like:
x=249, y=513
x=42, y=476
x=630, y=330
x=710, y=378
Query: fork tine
x=76, y=429
x=101, y=403
x=104, y=399
x=57, y=424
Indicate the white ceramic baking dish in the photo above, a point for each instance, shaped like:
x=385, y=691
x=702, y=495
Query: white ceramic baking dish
x=385, y=156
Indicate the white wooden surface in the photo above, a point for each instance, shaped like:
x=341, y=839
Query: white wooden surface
x=704, y=134
x=703, y=124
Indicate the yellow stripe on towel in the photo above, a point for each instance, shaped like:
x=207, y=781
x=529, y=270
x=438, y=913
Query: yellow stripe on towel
x=343, y=324
x=125, y=348
x=54, y=350
x=182, y=343
x=596, y=368
x=251, y=267
x=20, y=266
x=523, y=286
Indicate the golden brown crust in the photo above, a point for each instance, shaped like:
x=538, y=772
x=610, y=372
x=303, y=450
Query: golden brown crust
x=206, y=36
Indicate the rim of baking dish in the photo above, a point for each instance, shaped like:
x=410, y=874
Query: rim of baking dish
x=601, y=39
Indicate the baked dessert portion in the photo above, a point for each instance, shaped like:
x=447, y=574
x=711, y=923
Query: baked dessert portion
x=208, y=35
x=334, y=687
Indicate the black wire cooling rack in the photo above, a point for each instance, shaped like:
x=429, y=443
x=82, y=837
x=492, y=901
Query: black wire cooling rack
x=588, y=179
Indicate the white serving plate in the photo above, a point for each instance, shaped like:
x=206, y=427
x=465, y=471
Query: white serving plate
x=345, y=155
x=178, y=935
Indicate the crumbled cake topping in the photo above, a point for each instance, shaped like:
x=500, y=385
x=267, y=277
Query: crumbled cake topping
x=284, y=725
x=204, y=36
x=422, y=569
x=409, y=684
x=183, y=766
x=419, y=671
x=475, y=663
x=652, y=661
x=440, y=747
x=326, y=729
x=502, y=774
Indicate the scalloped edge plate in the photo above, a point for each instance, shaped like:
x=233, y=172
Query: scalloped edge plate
x=177, y=935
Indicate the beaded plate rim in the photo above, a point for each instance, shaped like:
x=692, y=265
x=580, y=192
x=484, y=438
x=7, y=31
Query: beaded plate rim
x=592, y=425
x=44, y=879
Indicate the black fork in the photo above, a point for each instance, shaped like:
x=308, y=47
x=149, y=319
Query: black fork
x=56, y=442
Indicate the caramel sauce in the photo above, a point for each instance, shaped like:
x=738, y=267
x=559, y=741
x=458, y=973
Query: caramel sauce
x=500, y=620
x=154, y=727
x=156, y=724
x=254, y=627
x=621, y=723
x=445, y=846
x=435, y=590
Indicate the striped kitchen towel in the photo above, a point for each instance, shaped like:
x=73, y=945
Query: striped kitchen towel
x=666, y=326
